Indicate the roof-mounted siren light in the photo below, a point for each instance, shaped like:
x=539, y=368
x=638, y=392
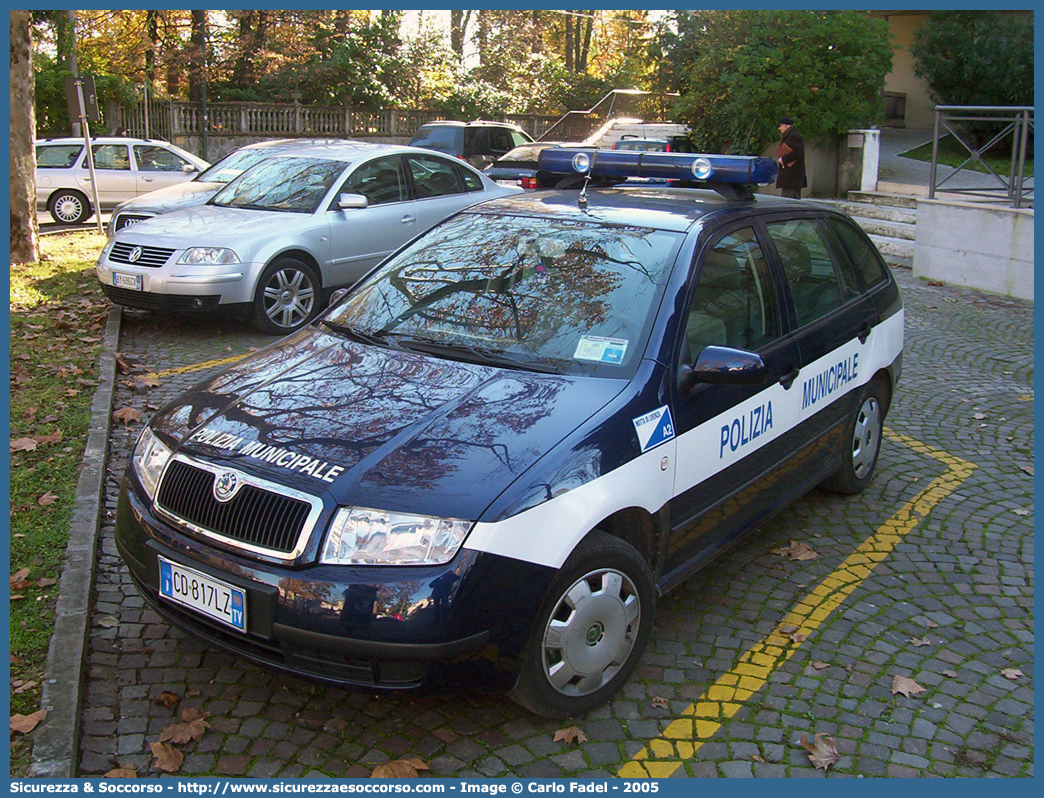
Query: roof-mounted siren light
x=729, y=175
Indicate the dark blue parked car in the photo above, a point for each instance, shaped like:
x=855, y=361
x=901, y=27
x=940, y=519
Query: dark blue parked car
x=483, y=465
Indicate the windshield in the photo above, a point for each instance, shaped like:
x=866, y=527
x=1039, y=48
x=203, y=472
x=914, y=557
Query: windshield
x=232, y=166
x=556, y=295
x=295, y=185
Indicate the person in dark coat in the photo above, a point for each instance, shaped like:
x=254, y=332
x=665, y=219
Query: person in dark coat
x=790, y=155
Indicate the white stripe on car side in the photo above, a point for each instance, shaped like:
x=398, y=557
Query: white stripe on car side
x=547, y=533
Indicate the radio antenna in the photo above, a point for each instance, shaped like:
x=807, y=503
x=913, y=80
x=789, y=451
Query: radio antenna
x=581, y=201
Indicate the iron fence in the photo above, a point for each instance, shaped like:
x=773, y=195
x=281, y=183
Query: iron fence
x=1014, y=123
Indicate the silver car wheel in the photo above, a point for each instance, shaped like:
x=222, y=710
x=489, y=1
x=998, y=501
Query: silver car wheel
x=591, y=632
x=68, y=208
x=866, y=437
x=289, y=298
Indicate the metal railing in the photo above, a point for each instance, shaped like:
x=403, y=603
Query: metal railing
x=644, y=105
x=1014, y=122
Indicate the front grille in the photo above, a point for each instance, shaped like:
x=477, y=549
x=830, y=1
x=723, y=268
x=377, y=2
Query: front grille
x=253, y=516
x=153, y=257
x=127, y=219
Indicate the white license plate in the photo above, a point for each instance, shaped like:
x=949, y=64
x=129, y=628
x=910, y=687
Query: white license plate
x=211, y=597
x=132, y=281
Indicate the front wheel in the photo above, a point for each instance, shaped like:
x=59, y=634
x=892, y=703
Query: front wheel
x=69, y=207
x=590, y=632
x=860, y=443
x=287, y=296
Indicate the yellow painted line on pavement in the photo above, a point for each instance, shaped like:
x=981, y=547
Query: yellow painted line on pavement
x=206, y=364
x=723, y=699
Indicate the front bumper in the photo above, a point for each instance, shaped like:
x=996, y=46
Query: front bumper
x=175, y=286
x=365, y=627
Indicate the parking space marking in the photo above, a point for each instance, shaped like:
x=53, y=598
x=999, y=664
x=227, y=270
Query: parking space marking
x=723, y=699
x=206, y=364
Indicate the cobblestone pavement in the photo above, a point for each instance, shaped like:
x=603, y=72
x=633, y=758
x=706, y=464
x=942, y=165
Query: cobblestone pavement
x=950, y=606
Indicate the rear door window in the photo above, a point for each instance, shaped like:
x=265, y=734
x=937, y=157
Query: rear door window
x=111, y=156
x=808, y=268
x=434, y=177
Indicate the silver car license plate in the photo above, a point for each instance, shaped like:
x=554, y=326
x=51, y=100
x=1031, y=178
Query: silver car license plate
x=131, y=281
x=211, y=597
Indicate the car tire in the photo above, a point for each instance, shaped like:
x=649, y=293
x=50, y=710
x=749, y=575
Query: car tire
x=287, y=296
x=590, y=632
x=69, y=207
x=860, y=442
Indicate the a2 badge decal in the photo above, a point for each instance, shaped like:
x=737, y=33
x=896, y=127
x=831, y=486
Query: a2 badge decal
x=654, y=428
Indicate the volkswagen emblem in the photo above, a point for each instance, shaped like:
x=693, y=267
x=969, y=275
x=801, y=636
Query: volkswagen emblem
x=135, y=255
x=225, y=486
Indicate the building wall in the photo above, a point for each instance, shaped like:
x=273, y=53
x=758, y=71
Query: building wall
x=920, y=108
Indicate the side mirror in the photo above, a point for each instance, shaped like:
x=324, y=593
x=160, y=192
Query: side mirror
x=189, y=168
x=722, y=365
x=337, y=296
x=348, y=202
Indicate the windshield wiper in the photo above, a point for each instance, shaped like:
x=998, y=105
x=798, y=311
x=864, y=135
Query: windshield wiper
x=473, y=354
x=355, y=333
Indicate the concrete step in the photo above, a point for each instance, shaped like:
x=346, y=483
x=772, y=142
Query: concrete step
x=893, y=248
x=897, y=230
x=883, y=198
x=864, y=210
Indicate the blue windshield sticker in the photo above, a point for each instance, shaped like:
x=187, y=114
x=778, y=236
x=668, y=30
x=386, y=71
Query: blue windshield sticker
x=600, y=350
x=654, y=428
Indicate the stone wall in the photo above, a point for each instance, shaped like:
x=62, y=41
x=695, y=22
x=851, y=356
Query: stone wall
x=975, y=245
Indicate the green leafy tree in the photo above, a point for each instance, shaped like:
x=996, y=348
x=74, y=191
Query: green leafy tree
x=826, y=69
x=976, y=57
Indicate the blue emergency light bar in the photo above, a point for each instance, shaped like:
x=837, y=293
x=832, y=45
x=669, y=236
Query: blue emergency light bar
x=734, y=169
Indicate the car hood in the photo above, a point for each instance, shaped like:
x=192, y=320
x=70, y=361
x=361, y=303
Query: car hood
x=380, y=428
x=172, y=198
x=211, y=225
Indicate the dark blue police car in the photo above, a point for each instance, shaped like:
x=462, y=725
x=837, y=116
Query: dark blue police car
x=484, y=464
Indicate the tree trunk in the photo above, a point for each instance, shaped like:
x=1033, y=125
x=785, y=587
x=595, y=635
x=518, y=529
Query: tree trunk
x=152, y=34
x=569, y=42
x=458, y=31
x=195, y=57
x=584, y=50
x=25, y=233
x=538, y=34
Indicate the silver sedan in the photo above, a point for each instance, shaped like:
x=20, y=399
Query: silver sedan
x=274, y=242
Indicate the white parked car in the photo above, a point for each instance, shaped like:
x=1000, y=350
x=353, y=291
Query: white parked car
x=273, y=242
x=125, y=168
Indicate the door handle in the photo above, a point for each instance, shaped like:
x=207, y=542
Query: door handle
x=407, y=219
x=864, y=332
x=788, y=379
x=148, y=179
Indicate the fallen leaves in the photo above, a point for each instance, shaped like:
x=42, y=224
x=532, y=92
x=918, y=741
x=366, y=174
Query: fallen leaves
x=570, y=736
x=1028, y=469
x=23, y=724
x=23, y=445
x=905, y=686
x=121, y=773
x=950, y=674
x=917, y=642
x=400, y=769
x=791, y=631
x=47, y=499
x=127, y=415
x=797, y=550
x=660, y=702
x=1012, y=673
x=822, y=753
x=167, y=698
x=167, y=758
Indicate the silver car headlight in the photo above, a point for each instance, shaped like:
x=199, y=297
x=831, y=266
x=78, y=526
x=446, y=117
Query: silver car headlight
x=212, y=256
x=359, y=536
x=148, y=460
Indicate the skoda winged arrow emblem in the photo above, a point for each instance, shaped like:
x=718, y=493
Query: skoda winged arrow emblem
x=225, y=486
x=135, y=255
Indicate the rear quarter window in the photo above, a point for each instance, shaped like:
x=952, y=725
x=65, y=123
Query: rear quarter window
x=57, y=156
x=861, y=252
x=443, y=139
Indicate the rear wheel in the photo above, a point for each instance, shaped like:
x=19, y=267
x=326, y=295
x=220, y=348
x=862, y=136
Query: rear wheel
x=69, y=207
x=860, y=443
x=287, y=296
x=591, y=630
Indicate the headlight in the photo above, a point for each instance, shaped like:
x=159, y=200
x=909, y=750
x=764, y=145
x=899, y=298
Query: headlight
x=373, y=537
x=208, y=255
x=148, y=460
